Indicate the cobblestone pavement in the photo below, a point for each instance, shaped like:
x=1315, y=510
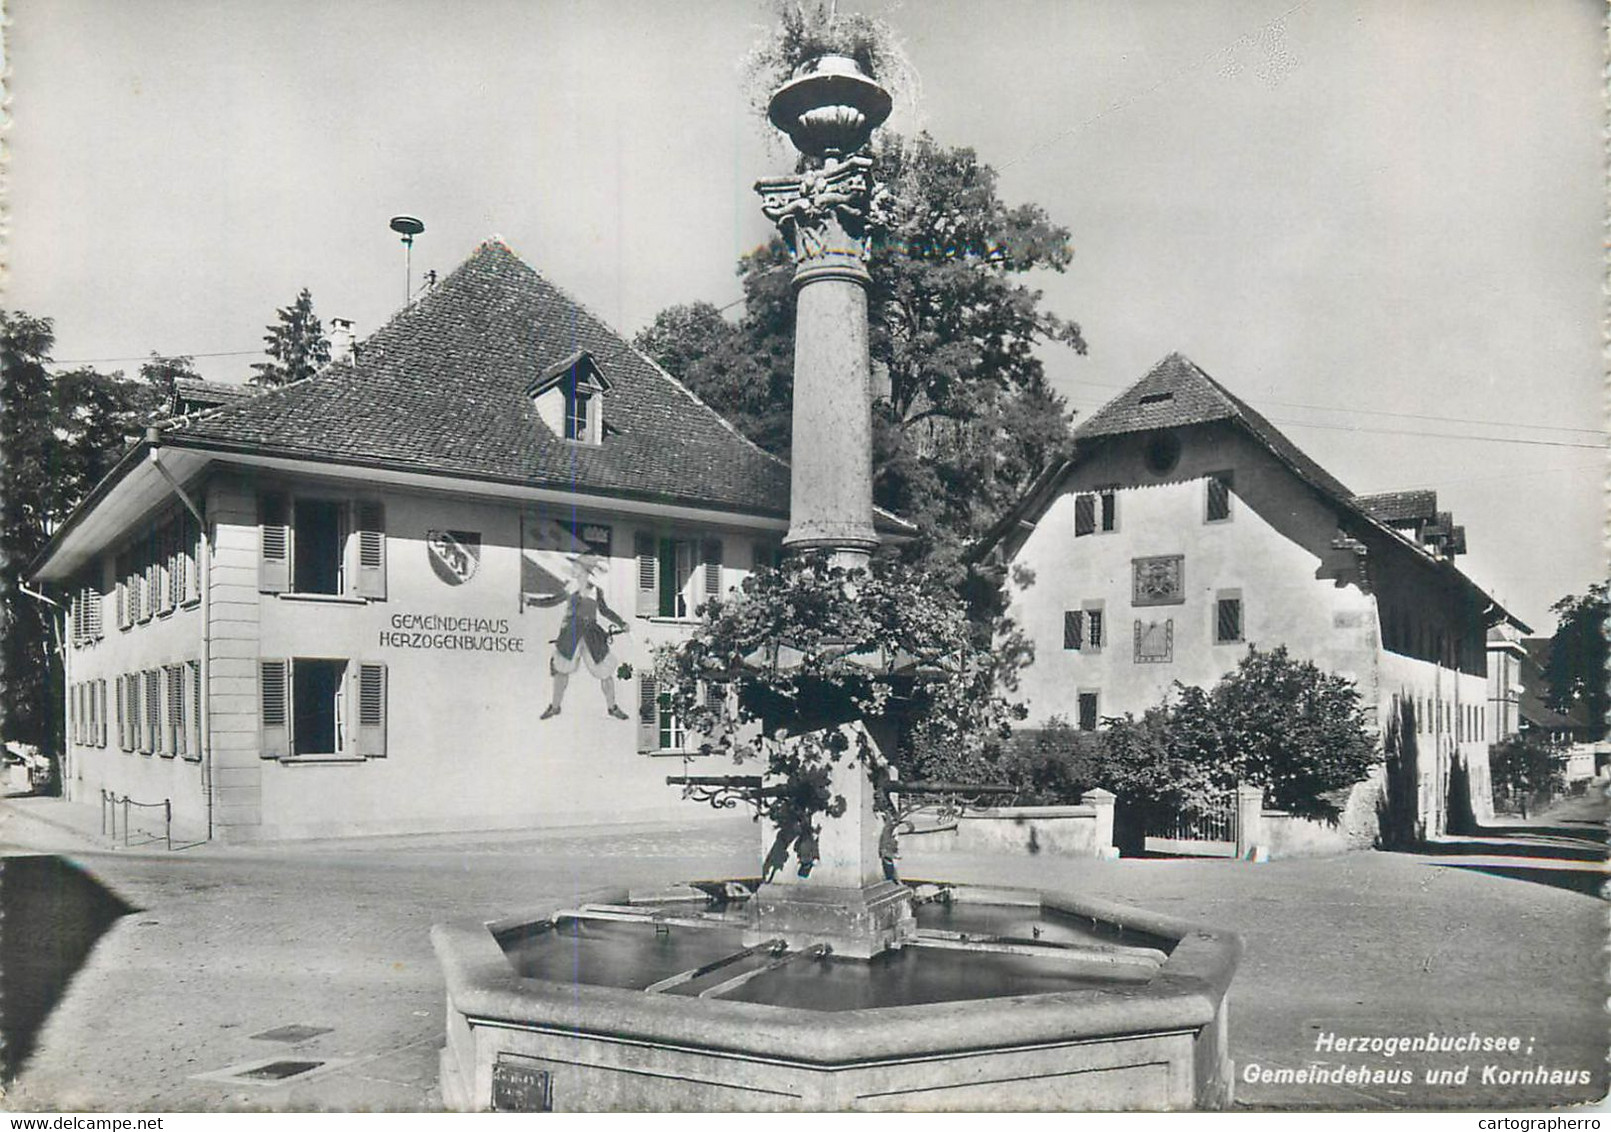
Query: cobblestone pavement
x=227, y=943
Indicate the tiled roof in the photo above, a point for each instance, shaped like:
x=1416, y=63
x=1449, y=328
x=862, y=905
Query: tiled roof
x=216, y=392
x=441, y=387
x=1400, y=506
x=1176, y=393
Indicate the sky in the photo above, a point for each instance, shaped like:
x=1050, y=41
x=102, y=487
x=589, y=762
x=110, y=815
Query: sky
x=1379, y=223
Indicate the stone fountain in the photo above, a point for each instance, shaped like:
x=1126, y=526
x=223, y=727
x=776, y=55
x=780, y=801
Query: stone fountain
x=828, y=985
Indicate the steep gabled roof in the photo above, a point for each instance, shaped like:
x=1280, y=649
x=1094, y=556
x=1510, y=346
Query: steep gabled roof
x=1176, y=393
x=443, y=386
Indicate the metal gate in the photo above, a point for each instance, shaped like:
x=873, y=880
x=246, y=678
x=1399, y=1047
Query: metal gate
x=1211, y=834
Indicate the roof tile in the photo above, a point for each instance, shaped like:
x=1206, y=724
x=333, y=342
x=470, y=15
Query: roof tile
x=442, y=386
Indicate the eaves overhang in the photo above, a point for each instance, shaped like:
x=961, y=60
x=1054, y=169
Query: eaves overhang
x=135, y=487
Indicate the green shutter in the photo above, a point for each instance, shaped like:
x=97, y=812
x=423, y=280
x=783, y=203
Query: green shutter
x=370, y=685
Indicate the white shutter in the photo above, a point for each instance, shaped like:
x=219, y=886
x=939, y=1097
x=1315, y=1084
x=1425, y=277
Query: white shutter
x=643, y=546
x=274, y=555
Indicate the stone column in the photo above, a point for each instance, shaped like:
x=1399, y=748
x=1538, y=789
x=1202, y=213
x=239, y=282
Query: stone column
x=823, y=215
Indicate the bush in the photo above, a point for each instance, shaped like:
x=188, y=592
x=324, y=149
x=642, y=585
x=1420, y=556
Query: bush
x=1272, y=722
x=808, y=646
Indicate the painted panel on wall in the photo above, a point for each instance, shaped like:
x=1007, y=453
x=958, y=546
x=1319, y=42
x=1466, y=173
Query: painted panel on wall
x=565, y=568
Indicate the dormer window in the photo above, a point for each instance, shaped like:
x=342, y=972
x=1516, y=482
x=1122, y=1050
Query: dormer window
x=576, y=414
x=569, y=398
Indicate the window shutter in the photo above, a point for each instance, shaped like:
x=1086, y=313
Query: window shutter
x=92, y=613
x=193, y=723
x=153, y=573
x=122, y=727
x=648, y=715
x=370, y=683
x=172, y=578
x=137, y=606
x=1110, y=518
x=711, y=552
x=371, y=550
x=643, y=545
x=1084, y=515
x=274, y=683
x=153, y=711
x=192, y=558
x=100, y=715
x=274, y=555
x=1073, y=624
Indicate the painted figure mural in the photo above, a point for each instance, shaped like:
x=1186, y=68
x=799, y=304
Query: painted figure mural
x=567, y=564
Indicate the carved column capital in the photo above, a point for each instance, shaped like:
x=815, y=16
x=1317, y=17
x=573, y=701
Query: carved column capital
x=826, y=216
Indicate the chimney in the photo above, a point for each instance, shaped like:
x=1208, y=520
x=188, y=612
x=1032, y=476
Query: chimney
x=342, y=340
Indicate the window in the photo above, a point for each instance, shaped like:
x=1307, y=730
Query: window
x=320, y=532
x=568, y=398
x=576, y=414
x=1083, y=628
x=659, y=729
x=1084, y=515
x=1087, y=711
x=310, y=545
x=321, y=707
x=1095, y=510
x=676, y=575
x=1227, y=619
x=1219, y=497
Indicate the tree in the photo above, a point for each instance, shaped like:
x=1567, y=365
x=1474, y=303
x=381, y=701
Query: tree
x=296, y=344
x=29, y=664
x=60, y=435
x=162, y=376
x=1526, y=770
x=967, y=420
x=1576, y=671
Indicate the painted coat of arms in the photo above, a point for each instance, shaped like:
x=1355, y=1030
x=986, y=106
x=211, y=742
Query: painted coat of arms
x=454, y=554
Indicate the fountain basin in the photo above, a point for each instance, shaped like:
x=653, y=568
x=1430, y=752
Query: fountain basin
x=1008, y=1000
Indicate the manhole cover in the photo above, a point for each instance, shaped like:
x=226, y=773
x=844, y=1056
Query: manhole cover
x=291, y=1034
x=280, y=1070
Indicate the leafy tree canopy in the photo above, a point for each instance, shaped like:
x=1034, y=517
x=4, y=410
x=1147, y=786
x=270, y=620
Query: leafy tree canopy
x=1576, y=671
x=296, y=345
x=966, y=419
x=60, y=435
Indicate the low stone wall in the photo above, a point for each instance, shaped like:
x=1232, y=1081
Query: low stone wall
x=1281, y=834
x=1085, y=830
